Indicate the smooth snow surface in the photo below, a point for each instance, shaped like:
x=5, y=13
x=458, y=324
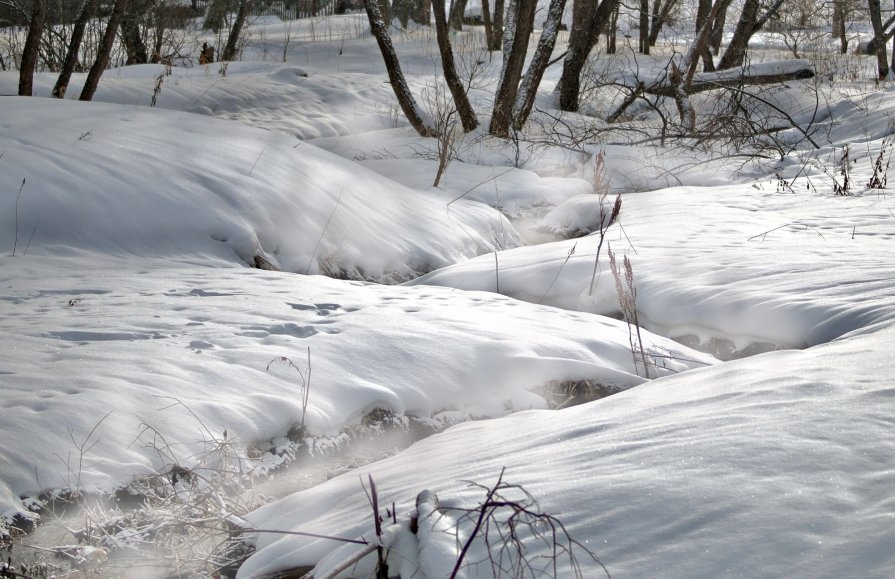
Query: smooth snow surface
x=775, y=466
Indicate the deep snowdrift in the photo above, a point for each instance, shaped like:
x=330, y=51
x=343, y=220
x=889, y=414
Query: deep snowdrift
x=774, y=466
x=129, y=180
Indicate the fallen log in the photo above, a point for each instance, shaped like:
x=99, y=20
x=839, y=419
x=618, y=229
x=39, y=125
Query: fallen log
x=669, y=85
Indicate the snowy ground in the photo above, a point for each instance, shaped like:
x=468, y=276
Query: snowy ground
x=125, y=290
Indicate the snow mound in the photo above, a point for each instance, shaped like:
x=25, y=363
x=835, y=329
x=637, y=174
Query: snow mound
x=184, y=349
x=771, y=466
x=148, y=182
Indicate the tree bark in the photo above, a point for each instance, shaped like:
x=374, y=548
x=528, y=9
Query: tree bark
x=497, y=30
x=393, y=67
x=231, y=48
x=588, y=21
x=104, y=52
x=519, y=23
x=703, y=13
x=748, y=24
x=532, y=79
x=130, y=33
x=455, y=85
x=458, y=9
x=386, y=11
x=74, y=48
x=661, y=12
x=840, y=13
x=879, y=38
x=421, y=15
x=643, y=38
x=709, y=81
x=718, y=30
x=32, y=48
x=486, y=21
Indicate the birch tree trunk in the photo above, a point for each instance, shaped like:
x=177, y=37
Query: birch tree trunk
x=518, y=25
x=231, y=48
x=528, y=89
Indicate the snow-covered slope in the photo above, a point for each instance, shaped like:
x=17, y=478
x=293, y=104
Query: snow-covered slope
x=775, y=466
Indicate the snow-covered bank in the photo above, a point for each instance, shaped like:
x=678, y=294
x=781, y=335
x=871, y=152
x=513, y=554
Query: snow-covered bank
x=130, y=180
x=132, y=336
x=744, y=264
x=774, y=466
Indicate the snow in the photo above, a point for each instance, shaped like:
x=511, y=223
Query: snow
x=132, y=318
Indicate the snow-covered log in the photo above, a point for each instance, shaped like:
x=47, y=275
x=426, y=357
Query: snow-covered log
x=753, y=75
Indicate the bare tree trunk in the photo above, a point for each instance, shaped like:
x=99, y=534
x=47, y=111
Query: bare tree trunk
x=231, y=48
x=386, y=11
x=612, y=31
x=458, y=9
x=421, y=16
x=718, y=29
x=702, y=18
x=104, y=52
x=661, y=12
x=839, y=16
x=748, y=25
x=879, y=38
x=486, y=21
x=588, y=21
x=497, y=30
x=458, y=91
x=393, y=67
x=214, y=14
x=643, y=38
x=529, y=87
x=32, y=48
x=74, y=48
x=403, y=10
x=130, y=33
x=519, y=23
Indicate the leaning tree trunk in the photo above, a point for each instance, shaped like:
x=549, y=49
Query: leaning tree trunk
x=718, y=30
x=748, y=25
x=519, y=23
x=588, y=21
x=455, y=85
x=32, y=48
x=104, y=52
x=393, y=67
x=74, y=48
x=879, y=38
x=661, y=13
x=231, y=48
x=529, y=88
